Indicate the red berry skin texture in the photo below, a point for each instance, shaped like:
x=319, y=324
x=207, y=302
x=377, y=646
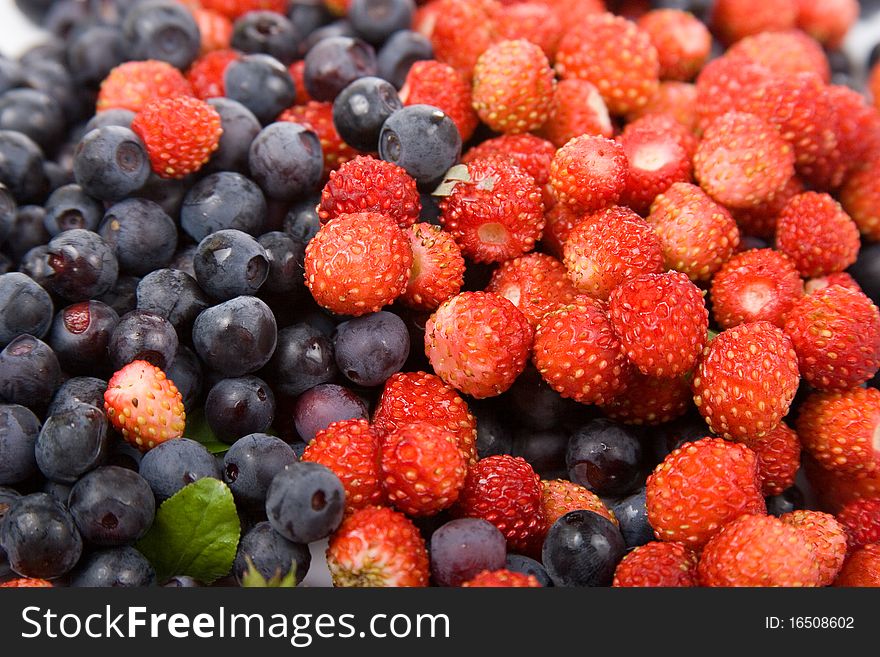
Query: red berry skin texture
x=785, y=53
x=589, y=173
x=132, y=85
x=862, y=569
x=559, y=496
x=657, y=564
x=825, y=537
x=683, y=43
x=502, y=579
x=438, y=267
x=736, y=19
x=536, y=283
x=779, y=458
x=577, y=109
x=434, y=83
x=649, y=400
x=861, y=522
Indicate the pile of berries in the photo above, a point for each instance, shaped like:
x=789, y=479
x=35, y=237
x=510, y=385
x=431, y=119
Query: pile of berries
x=542, y=293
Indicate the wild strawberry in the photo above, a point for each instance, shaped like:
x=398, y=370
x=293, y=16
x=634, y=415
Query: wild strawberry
x=350, y=448
x=664, y=123
x=132, y=85
x=478, y=342
x=297, y=73
x=736, y=19
x=836, y=334
x=610, y=247
x=874, y=85
x=559, y=221
x=861, y=522
x=835, y=489
x=862, y=568
x=615, y=55
x=657, y=564
x=495, y=213
x=215, y=29
x=367, y=184
x=760, y=220
x=837, y=278
x=318, y=117
x=825, y=537
x=725, y=85
x=569, y=8
x=840, y=429
x=537, y=22
x=559, y=496
x=435, y=83
x=756, y=550
x=697, y=235
x=577, y=109
x=423, y=468
x=377, y=546
x=460, y=31
x=699, y=488
x=682, y=42
x=437, y=271
x=779, y=457
x=753, y=286
x=27, y=583
x=536, y=283
x=502, y=579
x=180, y=134
x=742, y=160
x=358, y=263
x=827, y=21
x=649, y=400
x=505, y=491
x=513, y=87
x=421, y=397
x=589, y=173
x=860, y=197
x=206, y=73
x=532, y=154
x=787, y=52
x=144, y=405
x=677, y=99
x=578, y=354
x=858, y=125
x=746, y=380
x=232, y=9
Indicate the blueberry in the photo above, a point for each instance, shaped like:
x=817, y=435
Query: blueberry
x=319, y=407
x=19, y=428
x=120, y=117
x=59, y=492
x=789, y=500
x=240, y=126
x=72, y=442
x=238, y=407
x=26, y=230
x=110, y=163
x=536, y=404
x=70, y=207
x=375, y=20
x=83, y=266
x=112, y=506
x=286, y=160
x=35, y=264
x=303, y=359
x=305, y=502
x=236, y=337
x=94, y=51
x=334, y=63
x=582, y=548
x=230, y=263
x=78, y=390
x=40, y=537
x=302, y=221
x=271, y=555
x=171, y=465
x=308, y=16
x=122, y=297
x=140, y=335
x=605, y=457
x=518, y=563
x=25, y=307
x=402, y=49
x=337, y=28
x=80, y=335
x=7, y=212
x=52, y=77
x=29, y=373
x=462, y=548
x=262, y=84
x=33, y=113
x=21, y=167
x=120, y=567
x=183, y=260
x=172, y=294
x=167, y=193
x=252, y=462
x=633, y=518
x=544, y=450
x=371, y=348
x=141, y=235
x=494, y=436
x=181, y=582
x=57, y=175
x=361, y=109
x=266, y=32
x=672, y=435
x=222, y=201
x=10, y=74
x=422, y=140
x=866, y=270
x=163, y=30
x=286, y=255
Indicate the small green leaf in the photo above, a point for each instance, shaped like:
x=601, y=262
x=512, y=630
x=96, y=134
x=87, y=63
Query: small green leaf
x=195, y=533
x=197, y=428
x=456, y=174
x=711, y=335
x=254, y=579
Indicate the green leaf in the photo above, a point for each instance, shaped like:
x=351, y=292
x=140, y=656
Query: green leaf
x=254, y=579
x=458, y=173
x=197, y=428
x=195, y=533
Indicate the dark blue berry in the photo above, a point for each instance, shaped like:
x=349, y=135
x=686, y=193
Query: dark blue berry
x=110, y=163
x=402, y=49
x=121, y=567
x=29, y=373
x=141, y=335
x=371, y=348
x=83, y=266
x=141, y=235
x=338, y=28
x=252, y=462
x=181, y=582
x=791, y=499
x=267, y=32
x=544, y=450
x=463, y=548
x=172, y=294
x=262, y=84
x=494, y=436
x=236, y=337
x=163, y=30
x=422, y=140
x=122, y=297
x=866, y=270
x=186, y=372
x=183, y=260
x=305, y=502
x=302, y=221
x=222, y=201
x=265, y=551
x=319, y=407
x=33, y=113
x=334, y=63
x=286, y=161
x=78, y=390
x=518, y=563
x=167, y=193
x=26, y=230
x=605, y=457
x=35, y=264
x=582, y=548
x=59, y=492
x=69, y=207
x=240, y=126
x=308, y=16
x=286, y=255
x=361, y=109
x=80, y=335
x=19, y=428
x=536, y=404
x=8, y=210
x=303, y=359
x=21, y=167
x=72, y=442
x=52, y=77
x=94, y=51
x=375, y=20
x=25, y=307
x=171, y=465
x=120, y=117
x=11, y=75
x=238, y=407
x=633, y=518
x=112, y=506
x=230, y=263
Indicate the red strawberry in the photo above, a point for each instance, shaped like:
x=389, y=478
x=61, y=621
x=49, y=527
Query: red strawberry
x=478, y=342
x=505, y=491
x=513, y=87
x=215, y=29
x=661, y=321
x=737, y=19
x=423, y=468
x=682, y=42
x=874, y=85
x=495, y=213
x=862, y=568
x=615, y=55
x=366, y=184
x=753, y=286
x=725, y=85
x=610, y=247
x=699, y=488
x=350, y=448
x=144, y=406
x=835, y=489
x=358, y=263
x=559, y=496
x=536, y=283
x=532, y=154
x=180, y=134
x=861, y=522
x=578, y=354
x=657, y=564
x=577, y=109
x=232, y=9
x=318, y=117
x=746, y=380
x=742, y=161
x=836, y=334
x=132, y=85
x=858, y=125
x=589, y=173
x=697, y=235
x=27, y=583
x=434, y=83
x=559, y=222
x=825, y=537
x=377, y=546
x=840, y=429
x=827, y=21
x=502, y=579
x=421, y=397
x=206, y=73
x=760, y=220
x=649, y=400
x=534, y=21
x=838, y=278
x=756, y=550
x=779, y=457
x=667, y=124
x=677, y=99
x=787, y=52
x=860, y=197
x=437, y=271
x=460, y=31
x=297, y=73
